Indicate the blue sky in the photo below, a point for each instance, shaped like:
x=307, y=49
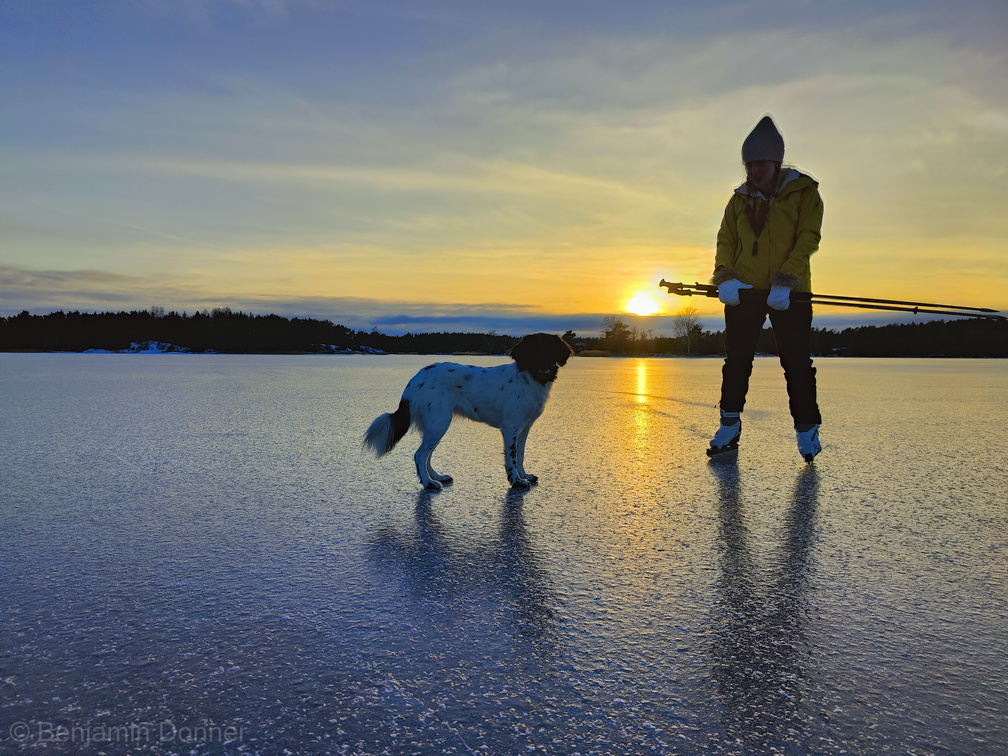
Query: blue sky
x=483, y=165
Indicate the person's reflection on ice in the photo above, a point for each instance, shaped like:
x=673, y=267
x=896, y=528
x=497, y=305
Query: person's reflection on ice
x=759, y=653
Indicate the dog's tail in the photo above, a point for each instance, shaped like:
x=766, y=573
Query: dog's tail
x=387, y=429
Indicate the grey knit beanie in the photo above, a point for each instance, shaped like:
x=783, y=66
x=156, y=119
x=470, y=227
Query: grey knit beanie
x=763, y=143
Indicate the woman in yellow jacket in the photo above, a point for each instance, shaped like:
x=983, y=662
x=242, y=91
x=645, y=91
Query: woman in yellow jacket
x=771, y=227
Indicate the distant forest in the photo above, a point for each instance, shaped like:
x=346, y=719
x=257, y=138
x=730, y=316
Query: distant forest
x=224, y=331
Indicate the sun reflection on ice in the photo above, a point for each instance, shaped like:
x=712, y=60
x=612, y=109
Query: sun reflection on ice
x=631, y=429
x=642, y=417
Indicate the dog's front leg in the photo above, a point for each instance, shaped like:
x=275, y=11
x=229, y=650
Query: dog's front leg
x=522, y=438
x=513, y=451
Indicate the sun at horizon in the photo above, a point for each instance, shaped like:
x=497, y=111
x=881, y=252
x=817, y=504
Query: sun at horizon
x=643, y=303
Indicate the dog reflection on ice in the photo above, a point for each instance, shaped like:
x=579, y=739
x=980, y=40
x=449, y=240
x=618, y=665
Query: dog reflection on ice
x=509, y=397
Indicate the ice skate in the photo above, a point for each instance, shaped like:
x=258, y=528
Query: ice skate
x=727, y=437
x=808, y=442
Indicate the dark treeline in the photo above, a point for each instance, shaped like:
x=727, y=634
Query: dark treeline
x=221, y=330
x=968, y=337
x=225, y=331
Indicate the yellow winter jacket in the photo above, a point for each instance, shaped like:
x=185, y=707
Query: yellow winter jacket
x=791, y=233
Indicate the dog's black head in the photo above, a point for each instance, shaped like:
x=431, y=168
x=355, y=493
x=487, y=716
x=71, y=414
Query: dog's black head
x=541, y=355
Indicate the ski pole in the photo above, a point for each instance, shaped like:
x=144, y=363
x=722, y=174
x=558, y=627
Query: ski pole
x=820, y=297
x=814, y=299
x=867, y=303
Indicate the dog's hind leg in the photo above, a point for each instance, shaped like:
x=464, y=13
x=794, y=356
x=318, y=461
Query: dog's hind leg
x=430, y=478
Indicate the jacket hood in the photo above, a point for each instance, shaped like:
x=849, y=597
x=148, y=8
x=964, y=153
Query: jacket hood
x=792, y=179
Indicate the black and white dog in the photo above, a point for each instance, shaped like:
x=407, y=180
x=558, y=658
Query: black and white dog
x=509, y=397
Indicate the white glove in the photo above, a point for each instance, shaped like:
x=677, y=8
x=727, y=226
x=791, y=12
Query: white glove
x=779, y=297
x=728, y=291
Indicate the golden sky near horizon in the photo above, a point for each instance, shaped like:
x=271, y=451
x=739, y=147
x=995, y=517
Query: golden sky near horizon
x=461, y=166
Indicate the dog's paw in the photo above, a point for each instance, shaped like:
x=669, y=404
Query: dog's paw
x=522, y=483
x=432, y=485
x=445, y=479
x=533, y=479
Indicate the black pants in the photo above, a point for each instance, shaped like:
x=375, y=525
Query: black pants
x=792, y=330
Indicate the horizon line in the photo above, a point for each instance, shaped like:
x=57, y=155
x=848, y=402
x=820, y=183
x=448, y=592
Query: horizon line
x=401, y=324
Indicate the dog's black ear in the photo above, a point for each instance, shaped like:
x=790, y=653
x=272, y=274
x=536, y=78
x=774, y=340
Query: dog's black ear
x=520, y=350
x=563, y=351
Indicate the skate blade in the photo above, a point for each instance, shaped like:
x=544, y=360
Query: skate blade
x=722, y=451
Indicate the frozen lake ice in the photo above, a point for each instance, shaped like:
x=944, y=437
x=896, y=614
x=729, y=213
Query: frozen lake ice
x=197, y=557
